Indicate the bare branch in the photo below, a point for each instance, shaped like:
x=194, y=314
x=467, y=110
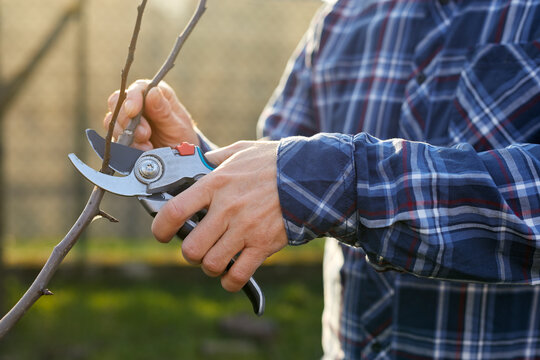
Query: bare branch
x=38, y=287
x=104, y=215
x=123, y=86
x=91, y=210
x=127, y=136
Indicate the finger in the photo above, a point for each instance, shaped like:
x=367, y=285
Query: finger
x=134, y=98
x=144, y=146
x=171, y=97
x=203, y=237
x=180, y=208
x=167, y=91
x=118, y=129
x=142, y=132
x=107, y=120
x=141, y=139
x=113, y=99
x=158, y=108
x=218, y=257
x=220, y=155
x=123, y=118
x=244, y=267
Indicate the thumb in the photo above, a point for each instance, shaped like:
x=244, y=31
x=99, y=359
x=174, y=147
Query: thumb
x=218, y=156
x=157, y=106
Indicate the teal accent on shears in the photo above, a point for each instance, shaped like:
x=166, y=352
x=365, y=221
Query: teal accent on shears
x=203, y=159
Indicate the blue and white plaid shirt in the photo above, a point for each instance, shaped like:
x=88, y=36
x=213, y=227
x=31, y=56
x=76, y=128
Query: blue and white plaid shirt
x=409, y=130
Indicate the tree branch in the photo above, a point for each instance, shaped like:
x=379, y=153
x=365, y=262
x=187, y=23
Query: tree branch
x=123, y=86
x=92, y=208
x=128, y=134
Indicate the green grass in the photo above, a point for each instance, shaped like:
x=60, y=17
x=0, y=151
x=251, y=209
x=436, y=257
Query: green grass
x=98, y=251
x=163, y=313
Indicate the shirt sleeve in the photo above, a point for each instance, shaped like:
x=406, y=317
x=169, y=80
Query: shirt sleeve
x=204, y=143
x=441, y=212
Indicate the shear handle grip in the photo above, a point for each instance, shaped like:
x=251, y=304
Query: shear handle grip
x=251, y=289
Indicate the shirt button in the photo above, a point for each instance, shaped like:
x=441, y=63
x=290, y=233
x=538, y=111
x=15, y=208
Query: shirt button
x=420, y=78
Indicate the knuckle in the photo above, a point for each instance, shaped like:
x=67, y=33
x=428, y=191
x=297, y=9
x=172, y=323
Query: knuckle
x=141, y=82
x=215, y=180
x=232, y=208
x=107, y=120
x=141, y=133
x=139, y=85
x=113, y=99
x=158, y=232
x=237, y=279
x=212, y=265
x=168, y=91
x=174, y=213
x=191, y=253
x=238, y=145
x=242, y=144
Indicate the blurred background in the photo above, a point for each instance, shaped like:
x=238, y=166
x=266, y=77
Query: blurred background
x=119, y=293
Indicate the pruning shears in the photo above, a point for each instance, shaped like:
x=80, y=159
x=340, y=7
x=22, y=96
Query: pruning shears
x=155, y=177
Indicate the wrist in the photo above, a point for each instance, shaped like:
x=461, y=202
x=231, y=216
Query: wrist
x=205, y=144
x=316, y=187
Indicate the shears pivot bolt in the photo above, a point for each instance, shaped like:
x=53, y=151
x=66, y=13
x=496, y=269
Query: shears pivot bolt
x=148, y=169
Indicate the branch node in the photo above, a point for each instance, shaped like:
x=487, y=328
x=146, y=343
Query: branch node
x=104, y=215
x=91, y=210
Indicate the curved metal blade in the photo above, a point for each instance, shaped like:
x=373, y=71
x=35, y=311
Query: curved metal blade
x=123, y=158
x=125, y=186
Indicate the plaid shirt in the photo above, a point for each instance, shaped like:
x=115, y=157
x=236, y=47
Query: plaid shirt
x=408, y=131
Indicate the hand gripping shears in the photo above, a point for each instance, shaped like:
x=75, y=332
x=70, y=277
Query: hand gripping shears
x=154, y=177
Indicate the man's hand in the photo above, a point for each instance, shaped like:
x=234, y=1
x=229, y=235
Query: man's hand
x=165, y=121
x=244, y=214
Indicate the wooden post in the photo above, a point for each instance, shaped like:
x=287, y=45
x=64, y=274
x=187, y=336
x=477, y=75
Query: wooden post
x=9, y=89
x=3, y=300
x=81, y=117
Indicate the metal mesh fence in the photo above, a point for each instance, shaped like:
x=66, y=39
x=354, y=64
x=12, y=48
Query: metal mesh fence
x=225, y=74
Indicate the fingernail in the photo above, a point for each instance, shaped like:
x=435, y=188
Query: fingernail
x=129, y=107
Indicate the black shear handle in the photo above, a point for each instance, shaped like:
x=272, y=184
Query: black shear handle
x=251, y=289
x=154, y=203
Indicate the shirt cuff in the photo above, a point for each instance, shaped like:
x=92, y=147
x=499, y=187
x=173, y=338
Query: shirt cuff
x=205, y=144
x=316, y=186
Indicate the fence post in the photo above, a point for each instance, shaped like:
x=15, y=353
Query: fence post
x=3, y=295
x=81, y=117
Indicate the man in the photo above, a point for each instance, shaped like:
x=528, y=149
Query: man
x=449, y=201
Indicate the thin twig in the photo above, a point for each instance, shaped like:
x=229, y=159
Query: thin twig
x=127, y=136
x=123, y=86
x=90, y=211
x=39, y=286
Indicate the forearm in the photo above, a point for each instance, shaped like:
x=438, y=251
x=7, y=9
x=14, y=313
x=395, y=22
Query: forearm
x=436, y=212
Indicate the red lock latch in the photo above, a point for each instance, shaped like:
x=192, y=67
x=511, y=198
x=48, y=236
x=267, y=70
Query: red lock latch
x=185, y=149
